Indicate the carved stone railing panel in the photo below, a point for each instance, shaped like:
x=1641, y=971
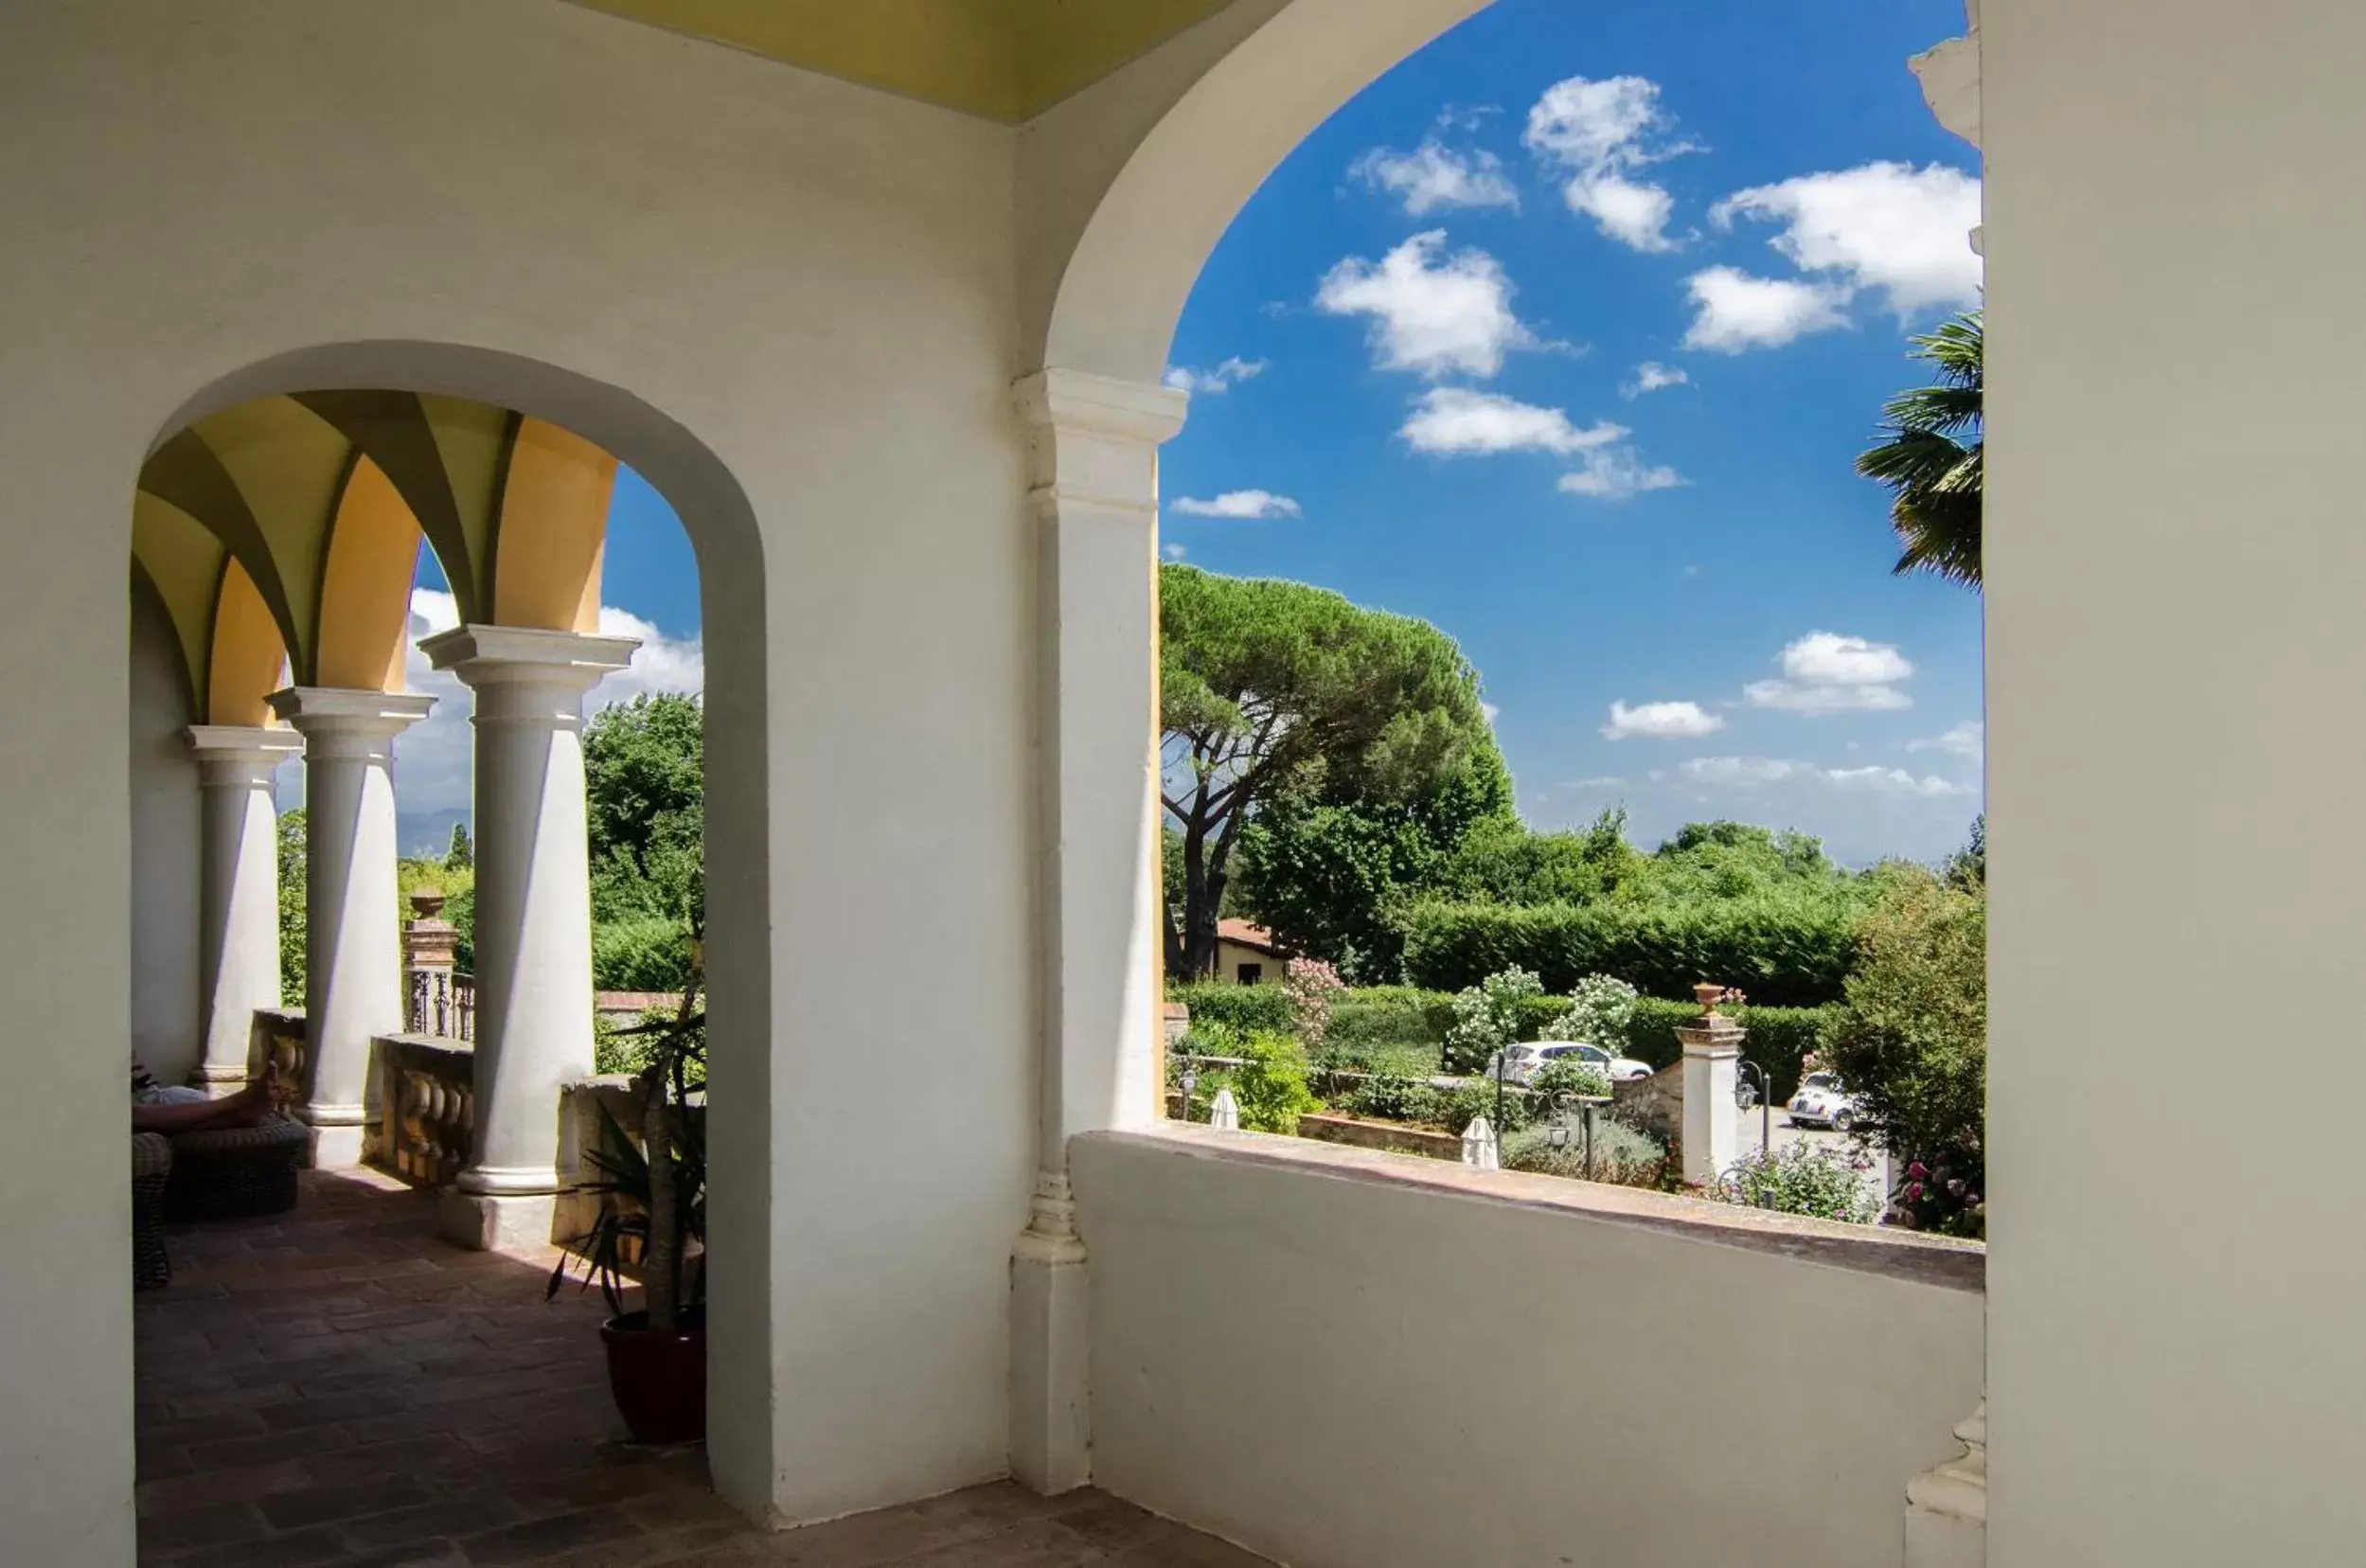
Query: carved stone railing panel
x=426, y=1107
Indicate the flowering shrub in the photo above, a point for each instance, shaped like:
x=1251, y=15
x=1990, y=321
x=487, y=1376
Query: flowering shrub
x=1600, y=1010
x=1487, y=1018
x=1799, y=1179
x=1313, y=986
x=1944, y=1196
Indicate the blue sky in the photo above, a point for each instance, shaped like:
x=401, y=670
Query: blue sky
x=1417, y=404
x=1414, y=406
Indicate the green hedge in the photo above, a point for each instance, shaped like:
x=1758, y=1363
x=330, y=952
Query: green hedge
x=1389, y=1015
x=1246, y=1009
x=652, y=954
x=1782, y=952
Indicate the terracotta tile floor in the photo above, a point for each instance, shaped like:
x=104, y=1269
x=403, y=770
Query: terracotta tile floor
x=334, y=1386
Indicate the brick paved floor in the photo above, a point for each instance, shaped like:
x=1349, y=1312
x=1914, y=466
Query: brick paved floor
x=334, y=1386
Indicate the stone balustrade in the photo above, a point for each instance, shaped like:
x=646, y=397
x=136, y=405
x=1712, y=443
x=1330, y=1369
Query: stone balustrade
x=276, y=1045
x=424, y=1091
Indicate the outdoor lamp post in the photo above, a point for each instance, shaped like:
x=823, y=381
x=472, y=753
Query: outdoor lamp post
x=1752, y=1086
x=1190, y=1082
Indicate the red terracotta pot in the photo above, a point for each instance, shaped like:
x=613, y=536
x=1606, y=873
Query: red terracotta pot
x=659, y=1381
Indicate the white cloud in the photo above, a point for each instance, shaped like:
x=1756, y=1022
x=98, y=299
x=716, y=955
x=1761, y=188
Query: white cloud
x=1893, y=781
x=1825, y=672
x=1600, y=132
x=1634, y=214
x=1650, y=376
x=1886, y=226
x=1615, y=474
x=1432, y=314
x=1662, y=721
x=1491, y=711
x=1733, y=311
x=1173, y=552
x=1755, y=772
x=1603, y=781
x=1968, y=739
x=1434, y=176
x=435, y=758
x=1456, y=422
x=1253, y=504
x=1218, y=378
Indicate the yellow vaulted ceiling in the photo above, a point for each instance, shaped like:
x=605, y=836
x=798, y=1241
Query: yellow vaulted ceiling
x=1008, y=60
x=290, y=528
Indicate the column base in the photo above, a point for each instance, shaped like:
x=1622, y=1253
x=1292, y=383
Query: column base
x=337, y=1132
x=515, y=1227
x=1051, y=1425
x=220, y=1079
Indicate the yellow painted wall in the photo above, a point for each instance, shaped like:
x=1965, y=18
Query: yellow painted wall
x=247, y=656
x=552, y=528
x=365, y=592
x=1008, y=60
x=288, y=464
x=183, y=561
x=473, y=440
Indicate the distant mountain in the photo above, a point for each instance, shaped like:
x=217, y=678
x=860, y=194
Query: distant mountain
x=425, y=836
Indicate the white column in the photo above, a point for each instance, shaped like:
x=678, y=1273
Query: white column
x=1712, y=1049
x=353, y=952
x=238, y=860
x=533, y=917
x=1093, y=454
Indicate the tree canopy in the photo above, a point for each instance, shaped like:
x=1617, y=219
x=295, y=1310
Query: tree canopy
x=1269, y=687
x=645, y=794
x=1930, y=456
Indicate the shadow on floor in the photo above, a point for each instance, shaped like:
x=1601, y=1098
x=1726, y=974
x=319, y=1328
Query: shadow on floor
x=335, y=1385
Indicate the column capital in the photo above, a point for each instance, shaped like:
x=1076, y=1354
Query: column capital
x=485, y=656
x=342, y=724
x=1077, y=399
x=1093, y=443
x=242, y=754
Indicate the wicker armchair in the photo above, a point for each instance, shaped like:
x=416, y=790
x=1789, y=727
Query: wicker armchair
x=151, y=1167
x=235, y=1172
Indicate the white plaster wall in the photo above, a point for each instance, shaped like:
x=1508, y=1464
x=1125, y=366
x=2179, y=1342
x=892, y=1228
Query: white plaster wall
x=2175, y=571
x=166, y=846
x=808, y=281
x=1341, y=1373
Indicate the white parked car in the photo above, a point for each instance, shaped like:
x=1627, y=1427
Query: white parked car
x=1822, y=1102
x=1521, y=1061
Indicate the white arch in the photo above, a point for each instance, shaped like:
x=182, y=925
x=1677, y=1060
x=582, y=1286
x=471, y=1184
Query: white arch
x=1150, y=232
x=722, y=523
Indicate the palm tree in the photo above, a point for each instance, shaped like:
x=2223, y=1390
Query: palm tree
x=1931, y=457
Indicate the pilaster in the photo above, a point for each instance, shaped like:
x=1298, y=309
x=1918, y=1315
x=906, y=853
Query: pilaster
x=1092, y=470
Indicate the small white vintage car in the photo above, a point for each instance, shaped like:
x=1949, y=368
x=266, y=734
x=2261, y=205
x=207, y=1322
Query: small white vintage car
x=1822, y=1102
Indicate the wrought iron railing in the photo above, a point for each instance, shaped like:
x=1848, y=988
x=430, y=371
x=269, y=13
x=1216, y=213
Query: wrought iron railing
x=443, y=1003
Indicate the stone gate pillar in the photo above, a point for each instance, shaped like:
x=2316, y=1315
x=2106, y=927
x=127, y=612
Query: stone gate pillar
x=1713, y=1050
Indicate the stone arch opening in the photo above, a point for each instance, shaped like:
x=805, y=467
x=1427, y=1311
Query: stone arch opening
x=719, y=522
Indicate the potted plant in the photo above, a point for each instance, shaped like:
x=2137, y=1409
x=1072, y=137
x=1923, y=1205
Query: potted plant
x=654, y=1217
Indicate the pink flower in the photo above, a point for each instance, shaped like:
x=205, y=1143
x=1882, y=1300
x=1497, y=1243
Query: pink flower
x=1913, y=1192
x=1917, y=1171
